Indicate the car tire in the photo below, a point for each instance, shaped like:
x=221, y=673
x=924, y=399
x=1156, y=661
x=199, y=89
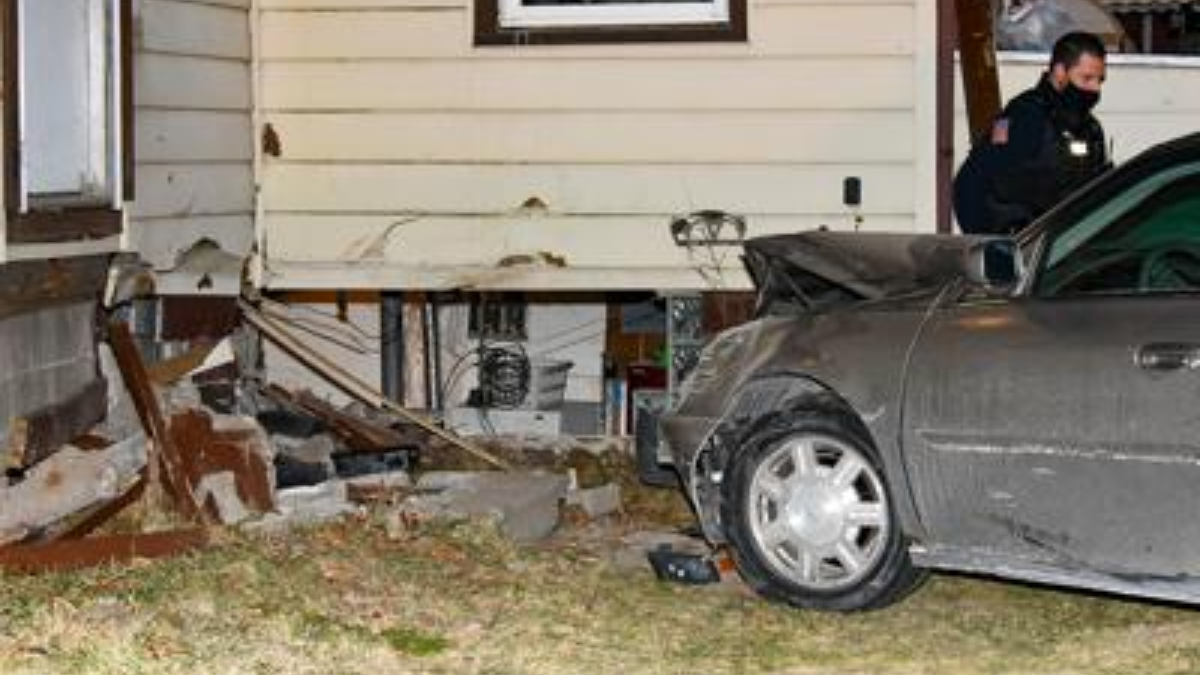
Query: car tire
x=809, y=516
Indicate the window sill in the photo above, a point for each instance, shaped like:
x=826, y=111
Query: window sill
x=489, y=32
x=67, y=225
x=592, y=35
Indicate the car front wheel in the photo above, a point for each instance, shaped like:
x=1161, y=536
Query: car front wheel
x=809, y=516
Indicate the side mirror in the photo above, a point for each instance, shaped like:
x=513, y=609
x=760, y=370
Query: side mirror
x=994, y=264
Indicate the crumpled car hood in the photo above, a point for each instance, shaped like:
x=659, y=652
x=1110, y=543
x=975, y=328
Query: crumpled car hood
x=815, y=270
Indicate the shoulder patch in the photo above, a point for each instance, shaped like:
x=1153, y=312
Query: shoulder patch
x=1000, y=131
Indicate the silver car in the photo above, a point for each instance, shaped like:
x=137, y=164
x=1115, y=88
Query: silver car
x=1028, y=409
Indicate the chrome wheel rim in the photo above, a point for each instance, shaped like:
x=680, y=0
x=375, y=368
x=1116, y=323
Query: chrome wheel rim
x=818, y=512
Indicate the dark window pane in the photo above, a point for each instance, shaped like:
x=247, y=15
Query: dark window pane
x=1154, y=247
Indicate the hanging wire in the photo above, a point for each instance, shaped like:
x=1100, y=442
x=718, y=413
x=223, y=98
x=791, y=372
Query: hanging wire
x=346, y=335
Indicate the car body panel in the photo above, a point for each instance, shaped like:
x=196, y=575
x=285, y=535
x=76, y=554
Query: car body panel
x=1058, y=448
x=821, y=269
x=991, y=563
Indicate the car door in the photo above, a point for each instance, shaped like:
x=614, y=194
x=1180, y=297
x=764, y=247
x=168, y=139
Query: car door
x=1061, y=425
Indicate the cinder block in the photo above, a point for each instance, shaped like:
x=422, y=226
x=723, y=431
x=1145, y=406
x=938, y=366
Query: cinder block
x=598, y=501
x=45, y=356
x=525, y=505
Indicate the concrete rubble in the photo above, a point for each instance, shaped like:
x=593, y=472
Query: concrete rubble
x=212, y=445
x=525, y=505
x=597, y=502
x=304, y=461
x=379, y=490
x=71, y=481
x=220, y=490
x=217, y=445
x=146, y=430
x=281, y=459
x=307, y=505
x=121, y=419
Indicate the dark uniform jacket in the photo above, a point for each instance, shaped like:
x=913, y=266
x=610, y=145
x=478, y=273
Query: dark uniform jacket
x=1040, y=149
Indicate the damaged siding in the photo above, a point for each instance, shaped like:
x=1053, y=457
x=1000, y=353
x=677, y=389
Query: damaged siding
x=407, y=157
x=194, y=157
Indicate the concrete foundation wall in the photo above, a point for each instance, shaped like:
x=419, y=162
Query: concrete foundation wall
x=45, y=357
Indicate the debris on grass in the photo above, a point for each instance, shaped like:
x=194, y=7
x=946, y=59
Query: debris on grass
x=386, y=590
x=597, y=502
x=525, y=505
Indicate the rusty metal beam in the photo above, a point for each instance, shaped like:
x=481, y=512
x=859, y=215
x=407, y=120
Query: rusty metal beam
x=205, y=451
x=74, y=554
x=102, y=515
x=977, y=50
x=165, y=462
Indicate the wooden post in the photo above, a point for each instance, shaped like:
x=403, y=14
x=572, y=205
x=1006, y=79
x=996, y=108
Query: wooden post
x=947, y=38
x=164, y=463
x=977, y=51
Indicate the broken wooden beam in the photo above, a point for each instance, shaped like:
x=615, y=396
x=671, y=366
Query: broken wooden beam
x=359, y=434
x=92, y=521
x=977, y=51
x=39, y=434
x=241, y=450
x=165, y=462
x=280, y=335
x=71, y=554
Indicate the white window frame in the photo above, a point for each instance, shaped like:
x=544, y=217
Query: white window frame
x=515, y=14
x=101, y=178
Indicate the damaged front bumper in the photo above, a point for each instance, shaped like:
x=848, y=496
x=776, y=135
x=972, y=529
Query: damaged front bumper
x=688, y=438
x=684, y=436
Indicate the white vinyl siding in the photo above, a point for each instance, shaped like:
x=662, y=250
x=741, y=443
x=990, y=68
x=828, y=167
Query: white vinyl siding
x=410, y=158
x=193, y=130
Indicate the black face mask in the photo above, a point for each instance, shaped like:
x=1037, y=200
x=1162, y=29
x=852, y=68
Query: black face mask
x=1079, y=100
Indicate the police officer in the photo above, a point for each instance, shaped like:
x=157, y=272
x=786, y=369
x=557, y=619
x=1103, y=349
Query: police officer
x=1044, y=145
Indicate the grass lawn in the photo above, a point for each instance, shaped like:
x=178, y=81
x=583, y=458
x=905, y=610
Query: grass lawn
x=458, y=599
